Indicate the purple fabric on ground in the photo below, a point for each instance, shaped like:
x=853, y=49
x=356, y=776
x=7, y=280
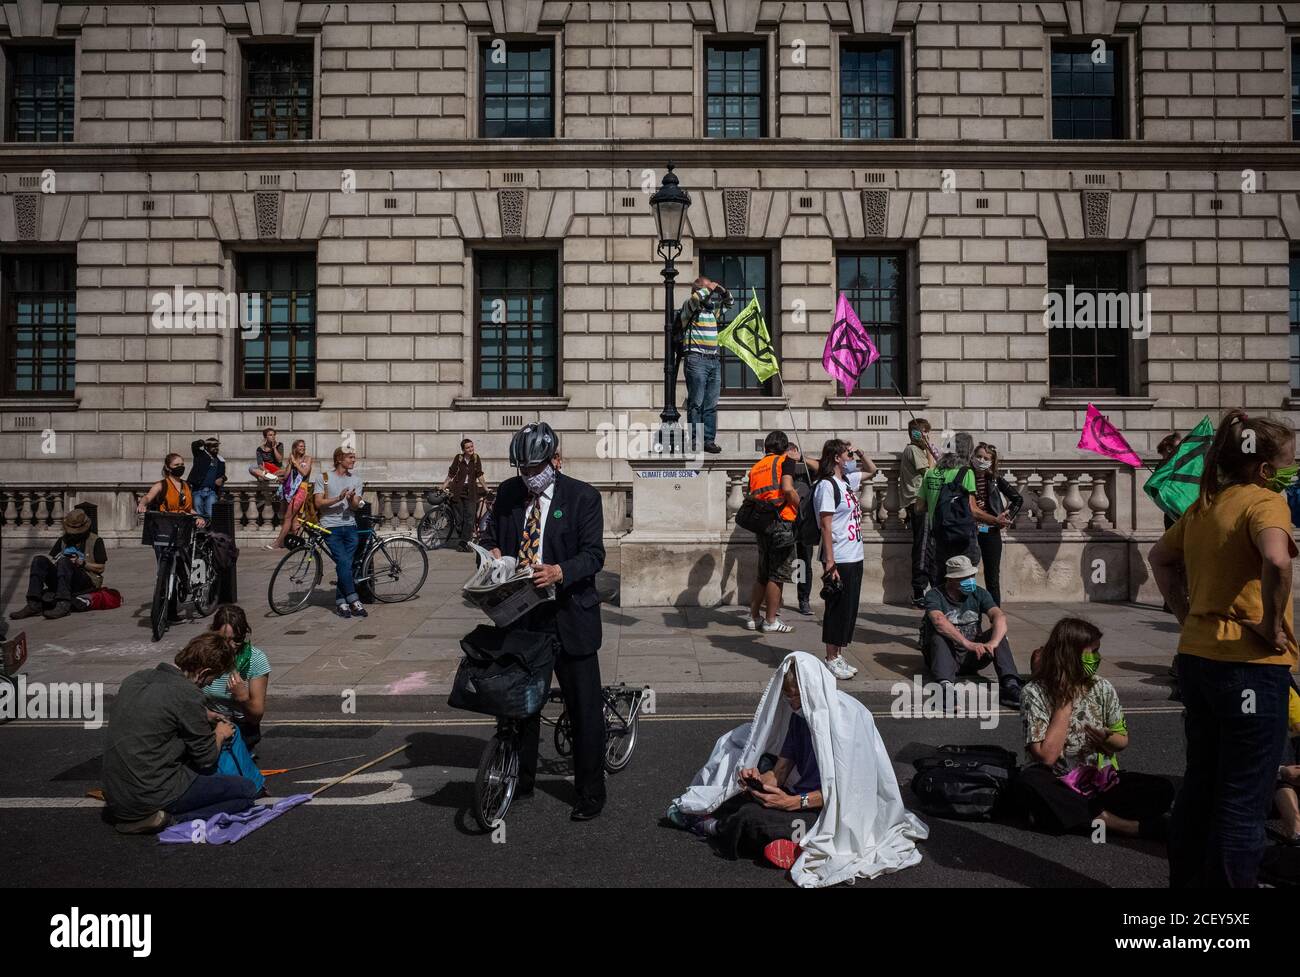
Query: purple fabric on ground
x=226, y=829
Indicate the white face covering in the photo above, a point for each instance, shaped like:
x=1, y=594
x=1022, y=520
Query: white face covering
x=539, y=483
x=983, y=464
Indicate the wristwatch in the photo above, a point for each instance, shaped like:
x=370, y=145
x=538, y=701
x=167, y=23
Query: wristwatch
x=803, y=802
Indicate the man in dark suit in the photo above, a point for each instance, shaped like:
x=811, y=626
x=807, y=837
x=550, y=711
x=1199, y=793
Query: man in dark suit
x=556, y=523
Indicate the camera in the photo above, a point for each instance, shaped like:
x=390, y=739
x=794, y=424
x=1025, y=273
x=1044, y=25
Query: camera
x=831, y=587
x=719, y=299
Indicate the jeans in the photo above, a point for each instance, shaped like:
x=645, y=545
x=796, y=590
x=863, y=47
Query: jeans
x=59, y=576
x=920, y=578
x=703, y=385
x=467, y=510
x=204, y=500
x=991, y=551
x=1234, y=721
x=946, y=660
x=342, y=542
x=213, y=793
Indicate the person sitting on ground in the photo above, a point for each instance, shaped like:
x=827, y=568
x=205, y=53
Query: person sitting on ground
x=1074, y=727
x=75, y=565
x=243, y=689
x=170, y=493
x=952, y=641
x=161, y=740
x=812, y=767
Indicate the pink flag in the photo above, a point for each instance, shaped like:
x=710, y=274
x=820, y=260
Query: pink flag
x=1103, y=437
x=849, y=350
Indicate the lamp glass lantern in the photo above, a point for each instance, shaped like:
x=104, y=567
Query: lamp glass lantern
x=669, y=203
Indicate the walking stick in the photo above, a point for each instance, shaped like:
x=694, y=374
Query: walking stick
x=364, y=766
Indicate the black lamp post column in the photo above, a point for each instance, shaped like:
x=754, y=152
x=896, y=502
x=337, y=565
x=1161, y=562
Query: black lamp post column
x=669, y=204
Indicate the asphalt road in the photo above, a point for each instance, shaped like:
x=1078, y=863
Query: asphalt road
x=408, y=823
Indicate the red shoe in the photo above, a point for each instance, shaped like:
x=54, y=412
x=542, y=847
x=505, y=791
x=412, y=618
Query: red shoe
x=782, y=853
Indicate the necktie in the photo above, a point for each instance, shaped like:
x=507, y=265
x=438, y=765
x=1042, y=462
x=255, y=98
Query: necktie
x=530, y=542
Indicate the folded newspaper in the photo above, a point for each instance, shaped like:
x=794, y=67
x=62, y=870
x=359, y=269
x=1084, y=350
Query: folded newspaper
x=503, y=589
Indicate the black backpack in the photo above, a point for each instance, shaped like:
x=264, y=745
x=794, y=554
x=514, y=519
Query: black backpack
x=757, y=515
x=810, y=525
x=954, y=525
x=965, y=783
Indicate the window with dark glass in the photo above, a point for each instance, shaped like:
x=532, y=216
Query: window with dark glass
x=1295, y=323
x=1088, y=353
x=743, y=274
x=40, y=324
x=735, y=90
x=875, y=285
x=1087, y=91
x=277, y=354
x=277, y=92
x=42, y=94
x=518, y=93
x=516, y=327
x=870, y=92
x=1295, y=89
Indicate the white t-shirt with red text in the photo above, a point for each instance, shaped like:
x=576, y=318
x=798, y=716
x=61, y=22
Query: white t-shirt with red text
x=846, y=518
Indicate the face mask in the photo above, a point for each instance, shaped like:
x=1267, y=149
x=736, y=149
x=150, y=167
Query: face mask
x=176, y=471
x=918, y=436
x=1284, y=477
x=982, y=465
x=968, y=585
x=539, y=483
x=1091, y=662
x=850, y=466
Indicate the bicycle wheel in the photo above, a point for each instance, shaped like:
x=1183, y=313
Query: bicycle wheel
x=563, y=735
x=395, y=569
x=498, y=775
x=206, y=594
x=296, y=575
x=160, y=610
x=619, y=744
x=435, y=529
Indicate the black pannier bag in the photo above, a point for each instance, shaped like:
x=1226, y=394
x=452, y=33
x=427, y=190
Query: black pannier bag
x=966, y=783
x=506, y=672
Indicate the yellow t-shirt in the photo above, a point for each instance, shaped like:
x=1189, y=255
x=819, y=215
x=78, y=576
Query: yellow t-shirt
x=1293, y=712
x=1223, y=574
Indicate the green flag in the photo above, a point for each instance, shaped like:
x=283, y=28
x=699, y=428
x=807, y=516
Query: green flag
x=1176, y=483
x=746, y=336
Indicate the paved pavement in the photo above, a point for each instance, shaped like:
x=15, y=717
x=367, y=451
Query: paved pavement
x=408, y=822
x=412, y=648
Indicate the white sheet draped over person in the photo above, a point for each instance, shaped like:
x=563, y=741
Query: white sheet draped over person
x=861, y=829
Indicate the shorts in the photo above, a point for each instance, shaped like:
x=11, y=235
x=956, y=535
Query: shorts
x=775, y=559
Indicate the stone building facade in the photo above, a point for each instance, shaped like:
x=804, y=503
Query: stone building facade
x=947, y=164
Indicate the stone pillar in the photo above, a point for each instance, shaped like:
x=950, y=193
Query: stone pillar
x=674, y=555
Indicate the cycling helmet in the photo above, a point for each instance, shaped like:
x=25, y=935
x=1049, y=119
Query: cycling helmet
x=533, y=445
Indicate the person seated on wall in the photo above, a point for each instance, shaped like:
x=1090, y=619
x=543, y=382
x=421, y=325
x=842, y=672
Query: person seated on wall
x=808, y=783
x=75, y=565
x=1074, y=729
x=952, y=641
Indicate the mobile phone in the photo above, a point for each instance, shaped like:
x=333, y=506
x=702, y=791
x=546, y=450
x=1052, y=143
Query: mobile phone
x=753, y=783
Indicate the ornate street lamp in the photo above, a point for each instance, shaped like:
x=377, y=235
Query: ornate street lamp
x=669, y=204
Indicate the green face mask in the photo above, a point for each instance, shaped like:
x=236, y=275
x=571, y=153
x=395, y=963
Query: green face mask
x=1091, y=663
x=1284, y=477
x=244, y=657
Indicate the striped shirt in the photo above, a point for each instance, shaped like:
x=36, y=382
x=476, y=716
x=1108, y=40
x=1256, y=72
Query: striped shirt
x=702, y=333
x=258, y=666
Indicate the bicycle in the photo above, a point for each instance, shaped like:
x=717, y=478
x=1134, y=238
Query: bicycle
x=187, y=569
x=388, y=569
x=498, y=768
x=441, y=524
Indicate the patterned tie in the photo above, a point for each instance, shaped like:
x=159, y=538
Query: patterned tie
x=529, y=543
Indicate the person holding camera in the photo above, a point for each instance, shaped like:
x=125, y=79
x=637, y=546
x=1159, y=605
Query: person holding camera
x=75, y=565
x=835, y=500
x=337, y=514
x=699, y=316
